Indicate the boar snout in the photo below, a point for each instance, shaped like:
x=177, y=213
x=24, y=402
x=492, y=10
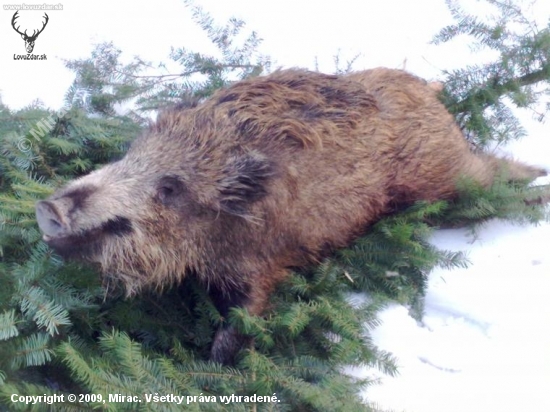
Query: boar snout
x=70, y=224
x=51, y=219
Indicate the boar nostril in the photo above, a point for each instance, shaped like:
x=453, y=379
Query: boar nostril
x=49, y=219
x=54, y=223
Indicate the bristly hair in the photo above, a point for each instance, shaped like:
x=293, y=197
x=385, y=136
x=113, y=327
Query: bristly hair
x=244, y=182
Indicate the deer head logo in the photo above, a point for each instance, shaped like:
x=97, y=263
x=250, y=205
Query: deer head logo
x=29, y=40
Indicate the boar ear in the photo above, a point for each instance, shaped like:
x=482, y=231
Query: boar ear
x=244, y=182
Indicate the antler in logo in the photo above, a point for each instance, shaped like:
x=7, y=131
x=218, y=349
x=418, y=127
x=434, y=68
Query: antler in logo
x=29, y=40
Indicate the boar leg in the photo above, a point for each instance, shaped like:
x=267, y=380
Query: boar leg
x=252, y=296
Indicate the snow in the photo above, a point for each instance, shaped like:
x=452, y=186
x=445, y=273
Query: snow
x=484, y=341
x=484, y=344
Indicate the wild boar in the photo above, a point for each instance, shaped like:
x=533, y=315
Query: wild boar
x=270, y=173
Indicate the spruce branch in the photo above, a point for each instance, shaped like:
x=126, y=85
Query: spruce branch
x=495, y=90
x=480, y=96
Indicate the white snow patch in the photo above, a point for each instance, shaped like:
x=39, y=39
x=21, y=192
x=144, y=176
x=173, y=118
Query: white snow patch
x=484, y=344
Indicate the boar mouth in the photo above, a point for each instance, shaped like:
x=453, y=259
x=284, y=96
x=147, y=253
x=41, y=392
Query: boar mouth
x=82, y=246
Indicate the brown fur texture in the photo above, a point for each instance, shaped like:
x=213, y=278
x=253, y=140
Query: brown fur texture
x=268, y=174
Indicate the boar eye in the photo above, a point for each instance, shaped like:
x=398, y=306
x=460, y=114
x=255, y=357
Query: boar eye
x=169, y=188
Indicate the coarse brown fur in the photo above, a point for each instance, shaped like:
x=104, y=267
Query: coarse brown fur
x=268, y=174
